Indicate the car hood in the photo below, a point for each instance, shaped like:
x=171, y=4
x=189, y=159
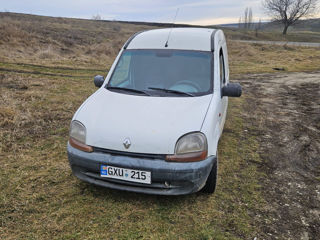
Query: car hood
x=152, y=124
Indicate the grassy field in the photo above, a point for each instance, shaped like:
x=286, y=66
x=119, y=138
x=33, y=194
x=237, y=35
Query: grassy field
x=40, y=199
x=46, y=71
x=292, y=36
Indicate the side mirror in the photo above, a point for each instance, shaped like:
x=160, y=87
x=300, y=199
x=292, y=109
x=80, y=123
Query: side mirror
x=231, y=90
x=98, y=80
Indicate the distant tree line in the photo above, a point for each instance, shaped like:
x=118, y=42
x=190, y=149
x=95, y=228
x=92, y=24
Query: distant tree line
x=96, y=17
x=247, y=21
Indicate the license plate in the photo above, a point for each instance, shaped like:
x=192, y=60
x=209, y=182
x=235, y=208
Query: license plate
x=125, y=174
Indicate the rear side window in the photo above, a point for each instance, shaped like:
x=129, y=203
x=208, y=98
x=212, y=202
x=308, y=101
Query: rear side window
x=222, y=69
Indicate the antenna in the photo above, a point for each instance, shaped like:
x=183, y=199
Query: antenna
x=174, y=20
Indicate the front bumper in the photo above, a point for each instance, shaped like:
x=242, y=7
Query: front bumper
x=168, y=178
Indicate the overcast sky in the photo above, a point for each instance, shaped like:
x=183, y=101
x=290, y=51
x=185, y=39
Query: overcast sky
x=203, y=12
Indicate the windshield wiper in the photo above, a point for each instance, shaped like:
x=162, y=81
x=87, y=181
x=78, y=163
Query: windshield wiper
x=171, y=91
x=129, y=90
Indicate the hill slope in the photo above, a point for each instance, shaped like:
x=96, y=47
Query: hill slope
x=48, y=37
x=309, y=25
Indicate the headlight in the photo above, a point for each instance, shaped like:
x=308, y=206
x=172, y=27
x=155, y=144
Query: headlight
x=78, y=131
x=78, y=136
x=190, y=148
x=194, y=142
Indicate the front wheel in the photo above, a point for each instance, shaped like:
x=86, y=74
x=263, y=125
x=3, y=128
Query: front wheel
x=211, y=182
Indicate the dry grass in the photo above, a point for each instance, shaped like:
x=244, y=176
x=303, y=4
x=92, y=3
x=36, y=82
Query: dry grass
x=256, y=58
x=292, y=36
x=42, y=39
x=46, y=71
x=40, y=199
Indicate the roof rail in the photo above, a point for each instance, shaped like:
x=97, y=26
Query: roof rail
x=131, y=38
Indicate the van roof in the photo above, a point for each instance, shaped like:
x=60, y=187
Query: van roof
x=180, y=38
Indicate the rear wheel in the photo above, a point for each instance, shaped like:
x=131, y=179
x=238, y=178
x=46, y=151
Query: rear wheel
x=211, y=182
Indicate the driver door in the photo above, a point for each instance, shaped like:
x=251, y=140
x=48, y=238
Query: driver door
x=223, y=82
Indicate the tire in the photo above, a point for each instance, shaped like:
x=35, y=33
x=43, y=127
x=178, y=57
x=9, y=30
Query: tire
x=211, y=182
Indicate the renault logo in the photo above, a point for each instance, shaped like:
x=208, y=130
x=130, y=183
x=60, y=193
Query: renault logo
x=127, y=143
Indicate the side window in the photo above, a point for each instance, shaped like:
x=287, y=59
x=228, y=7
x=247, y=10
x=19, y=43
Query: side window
x=121, y=73
x=222, y=69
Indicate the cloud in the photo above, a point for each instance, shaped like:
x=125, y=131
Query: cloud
x=211, y=21
x=190, y=11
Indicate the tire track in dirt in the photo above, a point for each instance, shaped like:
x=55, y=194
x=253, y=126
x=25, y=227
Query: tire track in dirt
x=285, y=111
x=41, y=73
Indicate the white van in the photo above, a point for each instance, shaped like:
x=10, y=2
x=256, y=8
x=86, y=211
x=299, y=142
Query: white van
x=154, y=124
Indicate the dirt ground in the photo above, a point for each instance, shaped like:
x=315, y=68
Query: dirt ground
x=284, y=110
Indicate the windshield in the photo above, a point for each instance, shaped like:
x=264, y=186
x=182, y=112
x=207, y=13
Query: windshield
x=163, y=73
